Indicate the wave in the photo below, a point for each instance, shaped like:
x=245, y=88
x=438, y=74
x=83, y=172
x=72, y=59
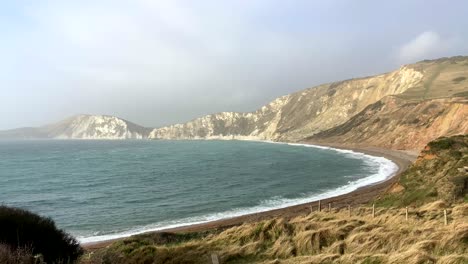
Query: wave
x=386, y=170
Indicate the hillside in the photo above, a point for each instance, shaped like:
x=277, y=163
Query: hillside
x=439, y=173
x=403, y=109
x=294, y=116
x=397, y=123
x=82, y=127
x=437, y=106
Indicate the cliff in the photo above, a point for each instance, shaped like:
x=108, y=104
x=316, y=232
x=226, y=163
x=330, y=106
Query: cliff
x=396, y=123
x=292, y=117
x=82, y=127
x=403, y=109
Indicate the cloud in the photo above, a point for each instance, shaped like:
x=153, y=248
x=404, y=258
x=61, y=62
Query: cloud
x=425, y=46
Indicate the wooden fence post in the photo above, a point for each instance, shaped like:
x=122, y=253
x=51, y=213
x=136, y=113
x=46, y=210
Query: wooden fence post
x=214, y=259
x=320, y=206
x=329, y=207
x=311, y=210
x=445, y=217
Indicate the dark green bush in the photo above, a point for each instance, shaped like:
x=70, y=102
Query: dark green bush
x=22, y=229
x=441, y=144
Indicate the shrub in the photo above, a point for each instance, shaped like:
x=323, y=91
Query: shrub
x=22, y=229
x=441, y=144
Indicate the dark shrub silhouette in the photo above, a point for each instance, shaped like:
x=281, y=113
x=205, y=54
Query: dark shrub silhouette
x=22, y=229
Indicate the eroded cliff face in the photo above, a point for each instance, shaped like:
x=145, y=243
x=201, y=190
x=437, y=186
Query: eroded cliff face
x=96, y=127
x=436, y=106
x=400, y=124
x=295, y=116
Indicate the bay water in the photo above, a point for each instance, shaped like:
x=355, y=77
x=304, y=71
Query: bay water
x=104, y=189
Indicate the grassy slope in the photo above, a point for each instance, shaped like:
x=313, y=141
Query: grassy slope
x=443, y=78
x=436, y=175
x=323, y=237
x=431, y=185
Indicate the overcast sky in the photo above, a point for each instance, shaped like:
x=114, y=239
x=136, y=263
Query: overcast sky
x=162, y=62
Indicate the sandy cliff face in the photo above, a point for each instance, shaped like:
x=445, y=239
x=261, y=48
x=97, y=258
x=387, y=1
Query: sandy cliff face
x=436, y=106
x=294, y=116
x=399, y=124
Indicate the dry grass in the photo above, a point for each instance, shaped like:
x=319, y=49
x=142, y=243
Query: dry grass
x=8, y=255
x=442, y=78
x=325, y=237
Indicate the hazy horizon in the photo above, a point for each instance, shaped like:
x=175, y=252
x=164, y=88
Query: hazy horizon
x=161, y=62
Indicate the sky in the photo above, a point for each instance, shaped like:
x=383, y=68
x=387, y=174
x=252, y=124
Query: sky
x=161, y=62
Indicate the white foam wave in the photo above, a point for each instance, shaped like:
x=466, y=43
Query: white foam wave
x=387, y=169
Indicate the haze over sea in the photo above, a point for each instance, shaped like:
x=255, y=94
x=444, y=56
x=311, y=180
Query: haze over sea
x=99, y=190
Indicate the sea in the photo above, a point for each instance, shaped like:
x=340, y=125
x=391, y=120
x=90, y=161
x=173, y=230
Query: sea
x=105, y=189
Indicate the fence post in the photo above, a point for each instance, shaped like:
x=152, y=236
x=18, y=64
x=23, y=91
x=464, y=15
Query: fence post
x=349, y=209
x=214, y=259
x=445, y=217
x=311, y=211
x=329, y=207
x=406, y=213
x=320, y=206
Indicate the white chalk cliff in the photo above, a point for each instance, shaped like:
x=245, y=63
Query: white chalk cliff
x=83, y=127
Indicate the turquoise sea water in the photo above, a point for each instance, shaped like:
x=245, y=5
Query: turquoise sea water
x=99, y=190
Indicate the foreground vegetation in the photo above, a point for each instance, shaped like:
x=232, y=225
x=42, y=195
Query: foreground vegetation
x=319, y=237
x=439, y=173
x=26, y=238
x=436, y=182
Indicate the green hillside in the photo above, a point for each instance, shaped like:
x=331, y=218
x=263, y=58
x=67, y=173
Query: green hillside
x=440, y=173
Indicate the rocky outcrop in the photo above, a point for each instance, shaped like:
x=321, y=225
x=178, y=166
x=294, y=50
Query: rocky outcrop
x=83, y=127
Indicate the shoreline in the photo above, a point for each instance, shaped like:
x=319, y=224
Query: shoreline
x=359, y=196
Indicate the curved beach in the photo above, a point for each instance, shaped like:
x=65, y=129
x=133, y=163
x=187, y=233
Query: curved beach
x=361, y=195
